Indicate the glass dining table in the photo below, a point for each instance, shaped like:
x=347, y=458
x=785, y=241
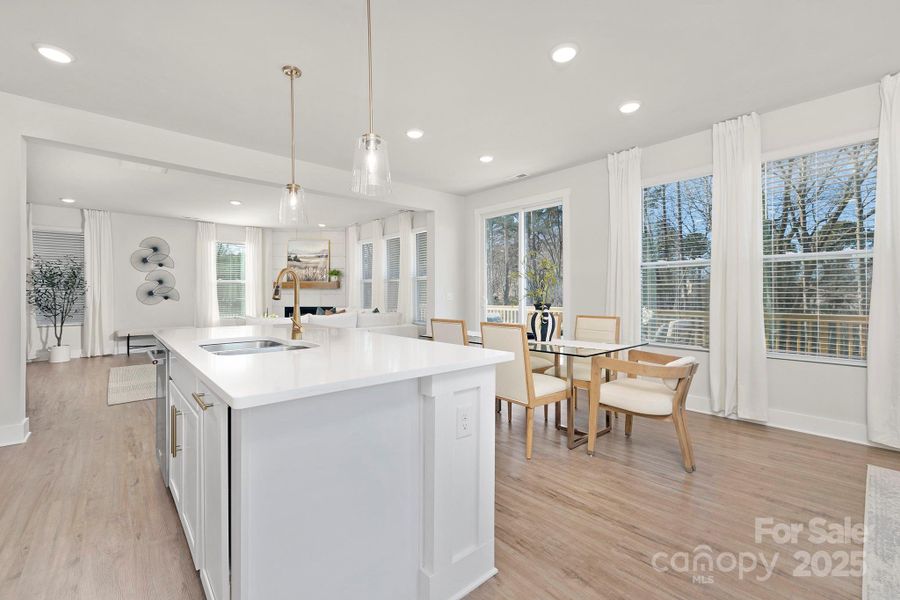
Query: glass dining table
x=570, y=350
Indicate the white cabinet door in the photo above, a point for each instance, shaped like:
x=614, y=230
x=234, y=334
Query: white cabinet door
x=190, y=491
x=176, y=458
x=214, y=570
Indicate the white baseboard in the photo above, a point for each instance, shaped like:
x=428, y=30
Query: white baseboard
x=45, y=354
x=835, y=429
x=16, y=433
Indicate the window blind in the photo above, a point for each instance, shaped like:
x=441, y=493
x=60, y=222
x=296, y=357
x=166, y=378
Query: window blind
x=56, y=245
x=676, y=263
x=392, y=274
x=230, y=280
x=818, y=231
x=367, y=250
x=420, y=285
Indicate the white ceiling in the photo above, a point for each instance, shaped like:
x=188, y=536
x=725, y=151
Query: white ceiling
x=474, y=74
x=121, y=185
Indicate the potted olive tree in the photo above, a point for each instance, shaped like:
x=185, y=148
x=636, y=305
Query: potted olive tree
x=55, y=288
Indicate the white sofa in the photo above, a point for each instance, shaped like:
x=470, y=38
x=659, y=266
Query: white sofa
x=389, y=323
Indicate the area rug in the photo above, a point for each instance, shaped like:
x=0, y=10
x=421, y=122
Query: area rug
x=131, y=383
x=881, y=574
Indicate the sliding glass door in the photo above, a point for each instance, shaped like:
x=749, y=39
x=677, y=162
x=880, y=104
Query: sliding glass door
x=516, y=242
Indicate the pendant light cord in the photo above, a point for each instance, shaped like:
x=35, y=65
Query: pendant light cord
x=371, y=100
x=293, y=134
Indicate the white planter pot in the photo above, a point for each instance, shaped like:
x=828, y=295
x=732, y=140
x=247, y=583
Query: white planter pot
x=60, y=354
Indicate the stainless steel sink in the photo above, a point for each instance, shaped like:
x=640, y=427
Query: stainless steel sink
x=253, y=347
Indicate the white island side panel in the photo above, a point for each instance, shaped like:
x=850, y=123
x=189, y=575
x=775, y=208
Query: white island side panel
x=365, y=493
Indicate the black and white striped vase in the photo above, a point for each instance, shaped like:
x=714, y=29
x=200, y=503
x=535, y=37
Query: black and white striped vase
x=543, y=323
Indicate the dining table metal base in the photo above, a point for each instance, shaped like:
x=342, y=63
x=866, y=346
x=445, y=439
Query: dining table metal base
x=577, y=437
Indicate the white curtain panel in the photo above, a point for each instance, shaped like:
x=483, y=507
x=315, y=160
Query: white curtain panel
x=883, y=357
x=207, y=293
x=623, y=280
x=378, y=266
x=404, y=301
x=737, y=347
x=254, y=272
x=99, y=273
x=352, y=276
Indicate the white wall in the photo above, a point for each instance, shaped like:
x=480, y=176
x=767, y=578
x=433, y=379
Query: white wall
x=821, y=398
x=23, y=118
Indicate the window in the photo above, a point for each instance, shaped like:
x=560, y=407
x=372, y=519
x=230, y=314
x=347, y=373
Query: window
x=420, y=277
x=230, y=277
x=513, y=243
x=366, y=250
x=819, y=218
x=392, y=274
x=675, y=263
x=54, y=245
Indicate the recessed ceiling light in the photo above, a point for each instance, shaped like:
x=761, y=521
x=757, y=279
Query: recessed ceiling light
x=55, y=54
x=486, y=158
x=321, y=224
x=235, y=203
x=67, y=200
x=414, y=134
x=563, y=53
x=629, y=107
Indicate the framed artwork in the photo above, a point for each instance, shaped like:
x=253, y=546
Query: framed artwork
x=310, y=258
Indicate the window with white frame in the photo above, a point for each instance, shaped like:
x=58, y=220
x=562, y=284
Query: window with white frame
x=420, y=277
x=366, y=257
x=675, y=262
x=59, y=245
x=230, y=280
x=391, y=274
x=515, y=242
x=818, y=231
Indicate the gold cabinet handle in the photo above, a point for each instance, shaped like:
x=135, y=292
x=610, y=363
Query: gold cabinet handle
x=198, y=398
x=173, y=433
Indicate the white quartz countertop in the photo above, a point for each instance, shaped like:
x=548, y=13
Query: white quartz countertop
x=342, y=359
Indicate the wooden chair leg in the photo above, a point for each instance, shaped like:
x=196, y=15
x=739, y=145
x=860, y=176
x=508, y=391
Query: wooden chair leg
x=546, y=413
x=629, y=422
x=593, y=409
x=529, y=431
x=499, y=405
x=558, y=414
x=683, y=442
x=509, y=411
x=688, y=442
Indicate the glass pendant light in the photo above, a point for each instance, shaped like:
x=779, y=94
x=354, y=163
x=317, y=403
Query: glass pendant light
x=292, y=208
x=371, y=171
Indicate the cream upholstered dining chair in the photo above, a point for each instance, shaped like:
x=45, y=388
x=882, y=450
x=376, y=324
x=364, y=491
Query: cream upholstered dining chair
x=659, y=394
x=449, y=331
x=589, y=328
x=516, y=382
x=453, y=331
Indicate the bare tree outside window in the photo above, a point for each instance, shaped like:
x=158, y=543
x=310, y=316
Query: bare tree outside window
x=819, y=223
x=512, y=243
x=675, y=265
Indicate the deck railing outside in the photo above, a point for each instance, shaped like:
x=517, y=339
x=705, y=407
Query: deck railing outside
x=510, y=314
x=833, y=336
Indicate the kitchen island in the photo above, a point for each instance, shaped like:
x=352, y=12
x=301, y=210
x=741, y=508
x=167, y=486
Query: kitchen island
x=344, y=465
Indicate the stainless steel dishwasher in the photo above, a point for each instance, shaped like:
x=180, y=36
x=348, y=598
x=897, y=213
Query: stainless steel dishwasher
x=160, y=358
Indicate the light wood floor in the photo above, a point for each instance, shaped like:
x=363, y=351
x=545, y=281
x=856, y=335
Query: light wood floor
x=84, y=513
